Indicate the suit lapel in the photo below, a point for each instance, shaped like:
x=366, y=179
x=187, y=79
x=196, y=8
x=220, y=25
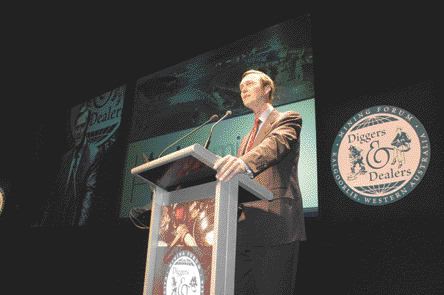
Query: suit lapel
x=266, y=127
x=243, y=145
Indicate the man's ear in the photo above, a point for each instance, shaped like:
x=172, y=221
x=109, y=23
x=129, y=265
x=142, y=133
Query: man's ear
x=267, y=90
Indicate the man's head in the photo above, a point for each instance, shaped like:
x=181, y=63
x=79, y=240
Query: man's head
x=257, y=88
x=80, y=125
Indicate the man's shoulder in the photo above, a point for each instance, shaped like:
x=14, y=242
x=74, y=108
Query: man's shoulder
x=290, y=115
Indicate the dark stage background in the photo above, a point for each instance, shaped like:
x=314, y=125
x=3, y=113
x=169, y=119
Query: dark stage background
x=56, y=60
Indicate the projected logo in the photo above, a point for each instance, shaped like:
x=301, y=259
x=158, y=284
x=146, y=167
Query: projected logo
x=106, y=113
x=380, y=155
x=184, y=275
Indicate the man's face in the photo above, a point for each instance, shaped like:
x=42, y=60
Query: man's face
x=252, y=93
x=80, y=128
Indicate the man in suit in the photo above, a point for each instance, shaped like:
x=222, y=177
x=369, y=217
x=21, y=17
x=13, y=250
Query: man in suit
x=268, y=231
x=72, y=201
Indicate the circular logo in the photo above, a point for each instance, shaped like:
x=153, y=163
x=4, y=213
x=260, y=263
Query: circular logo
x=380, y=155
x=184, y=275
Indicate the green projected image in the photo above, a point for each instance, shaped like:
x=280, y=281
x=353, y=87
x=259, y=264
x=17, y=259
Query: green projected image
x=225, y=140
x=171, y=102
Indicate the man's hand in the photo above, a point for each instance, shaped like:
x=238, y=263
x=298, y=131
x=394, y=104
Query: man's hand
x=228, y=166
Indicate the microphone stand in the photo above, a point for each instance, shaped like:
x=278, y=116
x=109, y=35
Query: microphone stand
x=213, y=117
x=207, y=143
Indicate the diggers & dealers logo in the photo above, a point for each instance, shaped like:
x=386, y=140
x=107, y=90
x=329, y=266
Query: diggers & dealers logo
x=380, y=155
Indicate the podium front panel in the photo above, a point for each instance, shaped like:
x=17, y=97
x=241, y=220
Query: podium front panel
x=181, y=252
x=184, y=250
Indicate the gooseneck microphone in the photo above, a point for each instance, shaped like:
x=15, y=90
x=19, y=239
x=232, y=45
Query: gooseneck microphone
x=227, y=113
x=211, y=119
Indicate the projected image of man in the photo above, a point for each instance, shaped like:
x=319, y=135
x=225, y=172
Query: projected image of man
x=73, y=198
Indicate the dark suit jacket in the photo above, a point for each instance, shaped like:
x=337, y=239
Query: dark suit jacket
x=274, y=163
x=72, y=206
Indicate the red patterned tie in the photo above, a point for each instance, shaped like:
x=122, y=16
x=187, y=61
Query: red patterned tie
x=253, y=134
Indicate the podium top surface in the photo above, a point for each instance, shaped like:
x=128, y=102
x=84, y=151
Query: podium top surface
x=190, y=166
x=186, y=167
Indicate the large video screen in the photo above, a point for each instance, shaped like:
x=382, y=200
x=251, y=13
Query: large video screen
x=169, y=103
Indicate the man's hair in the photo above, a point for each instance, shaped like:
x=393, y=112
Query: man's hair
x=265, y=81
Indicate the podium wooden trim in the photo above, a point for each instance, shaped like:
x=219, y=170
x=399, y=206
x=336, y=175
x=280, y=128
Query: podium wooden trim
x=185, y=176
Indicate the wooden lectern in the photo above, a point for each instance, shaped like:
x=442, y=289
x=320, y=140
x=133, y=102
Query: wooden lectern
x=192, y=237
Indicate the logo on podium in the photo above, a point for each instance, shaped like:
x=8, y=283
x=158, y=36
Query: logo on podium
x=184, y=275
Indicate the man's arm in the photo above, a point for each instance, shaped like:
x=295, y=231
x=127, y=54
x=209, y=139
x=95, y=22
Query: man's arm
x=91, y=182
x=270, y=151
x=276, y=145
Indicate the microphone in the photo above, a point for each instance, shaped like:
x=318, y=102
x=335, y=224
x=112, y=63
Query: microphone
x=227, y=113
x=211, y=119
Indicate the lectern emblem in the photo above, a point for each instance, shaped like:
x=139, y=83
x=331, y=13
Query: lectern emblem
x=184, y=275
x=380, y=155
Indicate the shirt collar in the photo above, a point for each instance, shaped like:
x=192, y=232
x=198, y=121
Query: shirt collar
x=264, y=115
